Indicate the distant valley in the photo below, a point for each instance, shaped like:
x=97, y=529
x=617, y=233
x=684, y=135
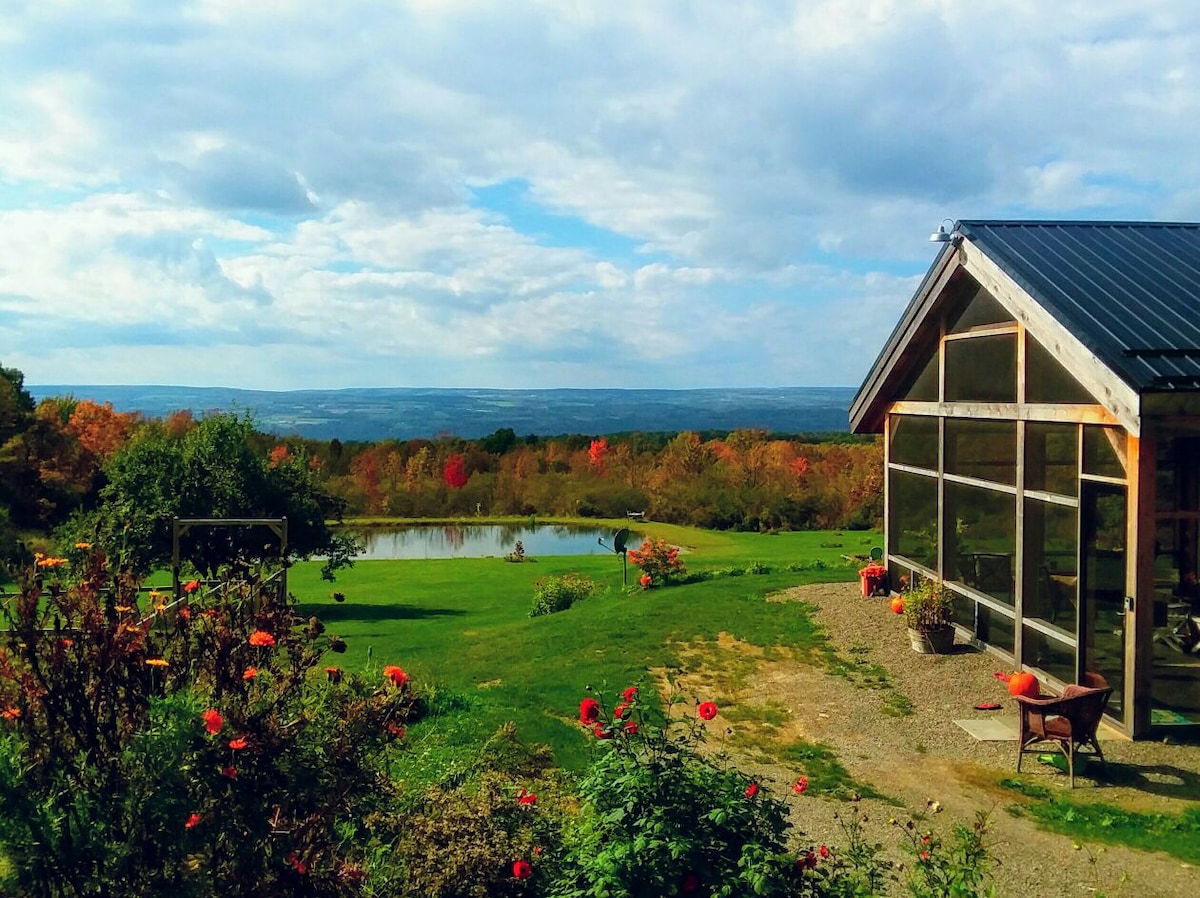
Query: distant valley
x=409, y=413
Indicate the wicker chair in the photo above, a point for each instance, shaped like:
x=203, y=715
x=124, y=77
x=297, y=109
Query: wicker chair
x=1070, y=720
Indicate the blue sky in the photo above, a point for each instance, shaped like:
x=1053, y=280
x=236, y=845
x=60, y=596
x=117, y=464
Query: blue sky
x=288, y=194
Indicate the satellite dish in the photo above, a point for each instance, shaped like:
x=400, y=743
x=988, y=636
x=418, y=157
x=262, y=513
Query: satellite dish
x=619, y=539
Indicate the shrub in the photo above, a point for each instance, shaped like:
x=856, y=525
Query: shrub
x=658, y=559
x=928, y=606
x=658, y=817
x=195, y=750
x=552, y=594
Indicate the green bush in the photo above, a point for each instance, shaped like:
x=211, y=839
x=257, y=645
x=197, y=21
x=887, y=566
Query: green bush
x=928, y=606
x=552, y=594
x=195, y=750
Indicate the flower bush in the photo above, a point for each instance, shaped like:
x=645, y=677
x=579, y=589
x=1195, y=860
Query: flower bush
x=659, y=561
x=659, y=817
x=143, y=760
x=928, y=606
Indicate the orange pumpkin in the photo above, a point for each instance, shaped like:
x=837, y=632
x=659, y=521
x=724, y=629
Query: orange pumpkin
x=898, y=604
x=1025, y=684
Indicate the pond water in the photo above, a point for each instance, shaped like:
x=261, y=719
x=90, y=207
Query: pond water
x=483, y=540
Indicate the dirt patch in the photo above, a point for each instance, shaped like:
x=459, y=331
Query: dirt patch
x=923, y=760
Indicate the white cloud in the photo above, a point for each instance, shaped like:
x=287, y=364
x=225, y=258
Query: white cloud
x=705, y=187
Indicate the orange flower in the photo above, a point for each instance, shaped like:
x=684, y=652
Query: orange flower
x=191, y=586
x=395, y=674
x=239, y=743
x=396, y=730
x=10, y=713
x=334, y=674
x=83, y=546
x=156, y=662
x=193, y=821
x=249, y=673
x=262, y=638
x=213, y=721
x=51, y=562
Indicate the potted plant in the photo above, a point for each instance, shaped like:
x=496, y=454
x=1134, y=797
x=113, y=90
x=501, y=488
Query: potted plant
x=928, y=611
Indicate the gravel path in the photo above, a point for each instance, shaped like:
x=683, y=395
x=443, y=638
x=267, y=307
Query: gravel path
x=926, y=757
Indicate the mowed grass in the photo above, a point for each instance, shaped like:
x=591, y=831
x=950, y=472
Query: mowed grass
x=461, y=628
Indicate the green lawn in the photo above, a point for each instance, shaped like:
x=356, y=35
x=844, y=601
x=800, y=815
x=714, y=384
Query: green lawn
x=461, y=626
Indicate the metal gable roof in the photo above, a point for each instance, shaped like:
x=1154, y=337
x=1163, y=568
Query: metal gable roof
x=1129, y=291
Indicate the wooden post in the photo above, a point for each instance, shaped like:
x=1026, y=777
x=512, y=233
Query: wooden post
x=1139, y=584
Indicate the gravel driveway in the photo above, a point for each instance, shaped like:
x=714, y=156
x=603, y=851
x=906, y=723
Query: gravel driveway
x=926, y=757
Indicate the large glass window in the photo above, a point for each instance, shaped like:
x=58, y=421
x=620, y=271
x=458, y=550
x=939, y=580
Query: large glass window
x=981, y=311
x=912, y=517
x=1051, y=577
x=1052, y=458
x=924, y=387
x=980, y=532
x=1048, y=381
x=915, y=441
x=996, y=629
x=986, y=450
x=982, y=369
x=1104, y=451
x=1049, y=655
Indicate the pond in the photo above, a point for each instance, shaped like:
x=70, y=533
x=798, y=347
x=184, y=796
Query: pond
x=483, y=540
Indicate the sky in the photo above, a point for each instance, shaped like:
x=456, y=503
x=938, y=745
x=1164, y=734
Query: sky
x=284, y=194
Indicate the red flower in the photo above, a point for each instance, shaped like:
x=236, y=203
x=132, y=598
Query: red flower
x=395, y=674
x=631, y=694
x=631, y=729
x=212, y=721
x=924, y=855
x=396, y=730
x=707, y=710
x=238, y=744
x=298, y=865
x=185, y=612
x=527, y=798
x=619, y=711
x=334, y=674
x=230, y=772
x=824, y=850
x=522, y=869
x=249, y=673
x=193, y=821
x=690, y=883
x=645, y=580
x=262, y=638
x=752, y=790
x=589, y=711
x=600, y=732
x=800, y=786
x=191, y=586
x=807, y=861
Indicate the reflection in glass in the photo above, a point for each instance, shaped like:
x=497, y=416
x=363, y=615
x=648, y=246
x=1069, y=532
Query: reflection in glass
x=924, y=387
x=912, y=517
x=996, y=629
x=914, y=441
x=1049, y=655
x=986, y=450
x=1102, y=585
x=1050, y=579
x=981, y=311
x=1051, y=458
x=1104, y=451
x=980, y=534
x=1048, y=381
x=982, y=369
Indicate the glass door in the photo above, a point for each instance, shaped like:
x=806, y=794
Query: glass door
x=1102, y=587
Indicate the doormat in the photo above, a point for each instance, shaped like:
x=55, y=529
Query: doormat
x=991, y=729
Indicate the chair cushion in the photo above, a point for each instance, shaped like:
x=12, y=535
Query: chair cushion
x=1058, y=727
x=1075, y=689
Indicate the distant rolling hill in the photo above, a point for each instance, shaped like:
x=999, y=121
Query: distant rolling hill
x=408, y=413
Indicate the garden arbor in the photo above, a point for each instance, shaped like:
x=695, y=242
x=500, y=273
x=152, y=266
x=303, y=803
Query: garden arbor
x=1040, y=400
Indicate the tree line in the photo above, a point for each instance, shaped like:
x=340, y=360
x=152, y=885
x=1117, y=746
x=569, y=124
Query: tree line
x=85, y=469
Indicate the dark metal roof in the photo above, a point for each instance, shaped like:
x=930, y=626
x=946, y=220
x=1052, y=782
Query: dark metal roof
x=1129, y=291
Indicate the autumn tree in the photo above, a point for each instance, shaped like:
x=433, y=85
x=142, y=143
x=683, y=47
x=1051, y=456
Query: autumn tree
x=454, y=472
